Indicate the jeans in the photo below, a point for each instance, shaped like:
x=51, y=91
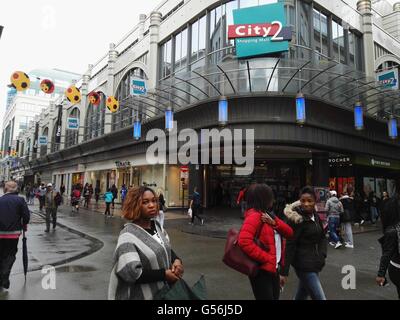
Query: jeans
x=374, y=214
x=108, y=213
x=333, y=224
x=265, y=285
x=348, y=232
x=8, y=251
x=309, y=285
x=51, y=212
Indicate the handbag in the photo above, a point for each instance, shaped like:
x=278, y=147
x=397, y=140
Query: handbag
x=182, y=291
x=234, y=256
x=190, y=213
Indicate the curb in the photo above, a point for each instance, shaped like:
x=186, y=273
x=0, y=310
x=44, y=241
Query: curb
x=96, y=245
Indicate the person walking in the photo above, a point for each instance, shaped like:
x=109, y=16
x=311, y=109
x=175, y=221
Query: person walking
x=161, y=206
x=51, y=205
x=97, y=194
x=374, y=203
x=195, y=206
x=86, y=195
x=75, y=199
x=334, y=209
x=390, y=242
x=358, y=209
x=270, y=250
x=306, y=251
x=108, y=198
x=28, y=193
x=14, y=217
x=144, y=260
x=347, y=217
x=123, y=191
x=241, y=201
x=114, y=191
x=42, y=195
x=62, y=191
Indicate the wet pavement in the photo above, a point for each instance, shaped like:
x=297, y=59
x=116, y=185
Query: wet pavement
x=200, y=247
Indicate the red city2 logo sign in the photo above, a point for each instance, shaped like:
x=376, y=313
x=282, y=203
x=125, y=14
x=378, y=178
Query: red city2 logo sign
x=264, y=30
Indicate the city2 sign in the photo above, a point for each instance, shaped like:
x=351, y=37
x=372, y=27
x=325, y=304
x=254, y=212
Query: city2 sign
x=260, y=30
x=138, y=87
x=389, y=79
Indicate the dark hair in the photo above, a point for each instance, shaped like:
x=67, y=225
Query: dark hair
x=259, y=197
x=307, y=190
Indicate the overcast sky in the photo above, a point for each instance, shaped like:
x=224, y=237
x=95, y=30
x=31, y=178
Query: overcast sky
x=66, y=35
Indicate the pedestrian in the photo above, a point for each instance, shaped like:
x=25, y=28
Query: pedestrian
x=347, y=217
x=390, y=242
x=62, y=191
x=86, y=195
x=374, y=203
x=270, y=249
x=14, y=217
x=241, y=200
x=51, y=205
x=358, y=209
x=114, y=191
x=195, y=206
x=75, y=199
x=42, y=195
x=334, y=209
x=31, y=199
x=143, y=259
x=28, y=193
x=97, y=194
x=161, y=206
x=123, y=191
x=108, y=198
x=306, y=251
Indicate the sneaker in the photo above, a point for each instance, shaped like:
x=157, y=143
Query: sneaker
x=338, y=245
x=332, y=244
x=191, y=223
x=47, y=230
x=362, y=222
x=202, y=222
x=348, y=245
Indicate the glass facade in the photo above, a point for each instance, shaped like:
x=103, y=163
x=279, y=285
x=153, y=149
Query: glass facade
x=124, y=117
x=94, y=121
x=43, y=148
x=71, y=137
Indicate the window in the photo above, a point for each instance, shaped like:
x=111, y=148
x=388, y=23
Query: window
x=71, y=137
x=54, y=146
x=124, y=116
x=339, y=54
x=198, y=42
x=166, y=59
x=94, y=121
x=181, y=43
x=320, y=32
x=43, y=149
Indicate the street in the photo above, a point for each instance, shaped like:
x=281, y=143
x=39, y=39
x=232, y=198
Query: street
x=81, y=249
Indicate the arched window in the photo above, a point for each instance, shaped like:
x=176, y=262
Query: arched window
x=71, y=137
x=124, y=116
x=28, y=148
x=94, y=121
x=43, y=148
x=55, y=146
x=388, y=65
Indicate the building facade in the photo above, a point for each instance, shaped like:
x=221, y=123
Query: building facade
x=339, y=56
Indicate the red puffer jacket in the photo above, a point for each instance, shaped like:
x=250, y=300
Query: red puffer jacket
x=251, y=225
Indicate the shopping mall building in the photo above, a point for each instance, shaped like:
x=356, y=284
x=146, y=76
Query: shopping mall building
x=341, y=55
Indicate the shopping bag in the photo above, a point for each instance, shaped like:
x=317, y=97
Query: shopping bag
x=182, y=291
x=190, y=213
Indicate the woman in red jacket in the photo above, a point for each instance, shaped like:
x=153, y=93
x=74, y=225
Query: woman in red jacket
x=270, y=249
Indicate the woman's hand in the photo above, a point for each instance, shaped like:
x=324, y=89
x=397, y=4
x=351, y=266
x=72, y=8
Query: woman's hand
x=380, y=281
x=282, y=281
x=177, y=268
x=265, y=217
x=170, y=277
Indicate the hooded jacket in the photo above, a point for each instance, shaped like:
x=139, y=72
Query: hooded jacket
x=307, y=250
x=334, y=207
x=265, y=255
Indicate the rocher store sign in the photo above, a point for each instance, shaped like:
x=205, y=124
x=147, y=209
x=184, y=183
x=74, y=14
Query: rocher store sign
x=123, y=164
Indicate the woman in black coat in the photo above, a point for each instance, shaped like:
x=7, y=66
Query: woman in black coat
x=390, y=260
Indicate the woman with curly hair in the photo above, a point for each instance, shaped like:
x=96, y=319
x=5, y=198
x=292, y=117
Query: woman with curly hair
x=143, y=260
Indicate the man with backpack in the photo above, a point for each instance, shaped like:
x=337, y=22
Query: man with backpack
x=334, y=209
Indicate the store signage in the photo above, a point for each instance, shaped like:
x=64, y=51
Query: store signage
x=42, y=141
x=73, y=124
x=377, y=162
x=343, y=160
x=138, y=87
x=123, y=164
x=184, y=172
x=380, y=163
x=260, y=30
x=389, y=79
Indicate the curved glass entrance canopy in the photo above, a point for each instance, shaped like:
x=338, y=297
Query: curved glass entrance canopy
x=325, y=80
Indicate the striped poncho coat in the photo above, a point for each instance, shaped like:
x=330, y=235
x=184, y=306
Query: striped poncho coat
x=136, y=251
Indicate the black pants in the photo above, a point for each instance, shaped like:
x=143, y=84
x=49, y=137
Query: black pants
x=394, y=275
x=108, y=209
x=41, y=202
x=265, y=286
x=51, y=213
x=8, y=251
x=195, y=213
